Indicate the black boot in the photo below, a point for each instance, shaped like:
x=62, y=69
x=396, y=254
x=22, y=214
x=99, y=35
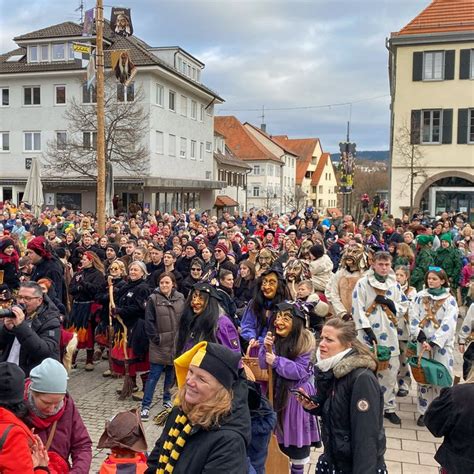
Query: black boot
x=393, y=418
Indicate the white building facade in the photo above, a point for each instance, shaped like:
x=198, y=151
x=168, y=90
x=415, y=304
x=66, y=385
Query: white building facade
x=38, y=81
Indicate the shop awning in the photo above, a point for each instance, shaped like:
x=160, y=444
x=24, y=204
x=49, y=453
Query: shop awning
x=225, y=201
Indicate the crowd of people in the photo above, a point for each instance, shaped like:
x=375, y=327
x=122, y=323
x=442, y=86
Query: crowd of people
x=299, y=328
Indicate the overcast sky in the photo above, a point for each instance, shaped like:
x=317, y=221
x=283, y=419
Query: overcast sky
x=272, y=53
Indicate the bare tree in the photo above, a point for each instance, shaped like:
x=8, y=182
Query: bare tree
x=409, y=156
x=126, y=126
x=295, y=198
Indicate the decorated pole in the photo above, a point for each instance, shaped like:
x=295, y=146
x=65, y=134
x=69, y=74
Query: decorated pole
x=101, y=166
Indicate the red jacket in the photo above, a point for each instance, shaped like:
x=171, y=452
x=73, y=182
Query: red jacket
x=15, y=456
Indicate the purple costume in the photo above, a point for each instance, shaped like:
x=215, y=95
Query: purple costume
x=300, y=428
x=226, y=334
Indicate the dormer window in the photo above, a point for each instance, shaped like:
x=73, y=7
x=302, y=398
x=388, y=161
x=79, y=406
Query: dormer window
x=44, y=53
x=59, y=52
x=49, y=52
x=33, y=54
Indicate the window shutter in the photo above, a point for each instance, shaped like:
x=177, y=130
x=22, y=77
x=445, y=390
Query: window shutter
x=447, y=126
x=463, y=115
x=415, y=127
x=418, y=66
x=465, y=64
x=449, y=57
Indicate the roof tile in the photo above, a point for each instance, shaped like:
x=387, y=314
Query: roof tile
x=442, y=16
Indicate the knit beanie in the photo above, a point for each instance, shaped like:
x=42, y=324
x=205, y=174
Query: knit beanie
x=192, y=244
x=424, y=239
x=4, y=243
x=49, y=377
x=13, y=381
x=317, y=251
x=38, y=245
x=114, y=247
x=447, y=237
x=214, y=358
x=222, y=247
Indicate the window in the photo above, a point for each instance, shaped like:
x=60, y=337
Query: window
x=89, y=140
x=32, y=141
x=208, y=147
x=31, y=95
x=172, y=145
x=71, y=201
x=59, y=52
x=4, y=141
x=44, y=52
x=471, y=74
x=256, y=191
x=159, y=142
x=70, y=51
x=193, y=150
x=160, y=95
x=61, y=140
x=125, y=94
x=313, y=189
x=33, y=54
x=470, y=133
x=270, y=170
x=201, y=113
x=433, y=65
x=320, y=189
x=182, y=147
x=194, y=109
x=431, y=126
x=89, y=95
x=172, y=101
x=59, y=95
x=256, y=170
x=5, y=91
x=201, y=151
x=184, y=105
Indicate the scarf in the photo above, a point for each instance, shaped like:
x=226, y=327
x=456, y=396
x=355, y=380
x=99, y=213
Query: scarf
x=174, y=443
x=380, y=278
x=327, y=364
x=38, y=419
x=436, y=291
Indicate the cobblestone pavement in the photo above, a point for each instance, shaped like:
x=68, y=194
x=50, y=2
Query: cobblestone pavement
x=410, y=449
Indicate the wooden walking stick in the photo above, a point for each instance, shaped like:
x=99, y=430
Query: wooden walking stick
x=277, y=462
x=110, y=332
x=128, y=382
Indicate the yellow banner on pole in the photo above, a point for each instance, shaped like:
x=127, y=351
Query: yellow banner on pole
x=81, y=48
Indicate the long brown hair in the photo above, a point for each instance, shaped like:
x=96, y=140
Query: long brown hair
x=404, y=250
x=209, y=413
x=347, y=335
x=96, y=261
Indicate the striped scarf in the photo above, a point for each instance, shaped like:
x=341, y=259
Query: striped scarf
x=174, y=444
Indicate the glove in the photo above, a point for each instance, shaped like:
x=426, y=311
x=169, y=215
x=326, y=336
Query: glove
x=421, y=337
x=387, y=302
x=371, y=334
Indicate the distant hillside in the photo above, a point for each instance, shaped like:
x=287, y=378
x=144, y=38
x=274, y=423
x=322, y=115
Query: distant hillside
x=381, y=155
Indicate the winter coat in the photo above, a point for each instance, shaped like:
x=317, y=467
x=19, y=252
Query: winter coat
x=71, y=439
x=351, y=408
x=87, y=285
x=321, y=272
x=423, y=260
x=52, y=269
x=449, y=259
x=38, y=337
x=9, y=265
x=15, y=455
x=451, y=415
x=222, y=449
x=162, y=317
x=244, y=292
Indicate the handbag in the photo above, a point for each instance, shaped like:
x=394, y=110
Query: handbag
x=429, y=372
x=57, y=464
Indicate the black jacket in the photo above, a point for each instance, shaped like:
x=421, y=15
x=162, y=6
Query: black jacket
x=38, y=338
x=351, y=407
x=54, y=270
x=215, y=451
x=87, y=285
x=452, y=415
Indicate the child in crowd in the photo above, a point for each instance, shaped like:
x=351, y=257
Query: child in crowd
x=125, y=436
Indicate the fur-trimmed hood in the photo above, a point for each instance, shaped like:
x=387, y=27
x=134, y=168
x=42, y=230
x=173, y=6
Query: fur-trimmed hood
x=353, y=361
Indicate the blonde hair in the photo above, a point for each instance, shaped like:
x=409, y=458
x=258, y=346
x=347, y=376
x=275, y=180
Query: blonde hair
x=404, y=250
x=209, y=413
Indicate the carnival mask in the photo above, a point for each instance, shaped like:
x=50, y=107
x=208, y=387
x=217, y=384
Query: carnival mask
x=198, y=302
x=269, y=286
x=283, y=323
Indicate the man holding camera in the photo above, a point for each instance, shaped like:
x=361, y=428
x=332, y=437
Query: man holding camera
x=31, y=329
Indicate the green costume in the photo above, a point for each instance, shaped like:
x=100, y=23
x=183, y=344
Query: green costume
x=424, y=259
x=449, y=259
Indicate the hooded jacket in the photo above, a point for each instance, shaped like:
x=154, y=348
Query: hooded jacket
x=38, y=337
x=222, y=449
x=15, y=455
x=351, y=407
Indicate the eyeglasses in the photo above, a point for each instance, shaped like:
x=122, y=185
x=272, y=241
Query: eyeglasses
x=195, y=269
x=26, y=298
x=217, y=250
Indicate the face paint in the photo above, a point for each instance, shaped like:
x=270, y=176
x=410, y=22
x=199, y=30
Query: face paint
x=283, y=323
x=198, y=302
x=269, y=286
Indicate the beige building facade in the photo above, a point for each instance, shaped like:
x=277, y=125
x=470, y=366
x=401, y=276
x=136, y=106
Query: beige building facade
x=431, y=67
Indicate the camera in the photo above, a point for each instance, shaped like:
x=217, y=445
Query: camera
x=8, y=313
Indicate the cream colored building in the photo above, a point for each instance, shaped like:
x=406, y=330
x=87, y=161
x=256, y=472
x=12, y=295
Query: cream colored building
x=431, y=69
